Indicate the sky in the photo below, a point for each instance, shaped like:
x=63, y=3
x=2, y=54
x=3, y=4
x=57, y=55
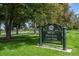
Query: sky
x=75, y=7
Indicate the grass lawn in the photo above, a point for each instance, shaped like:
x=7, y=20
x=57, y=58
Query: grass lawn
x=25, y=45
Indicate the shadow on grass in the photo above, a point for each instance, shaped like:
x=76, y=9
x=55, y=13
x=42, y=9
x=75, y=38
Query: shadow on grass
x=21, y=40
x=17, y=41
x=77, y=33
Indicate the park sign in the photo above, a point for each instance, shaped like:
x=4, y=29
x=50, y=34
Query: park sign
x=52, y=32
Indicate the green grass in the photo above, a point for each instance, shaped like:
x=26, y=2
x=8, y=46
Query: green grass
x=25, y=45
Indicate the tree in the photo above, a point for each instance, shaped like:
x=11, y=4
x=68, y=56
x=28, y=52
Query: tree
x=12, y=14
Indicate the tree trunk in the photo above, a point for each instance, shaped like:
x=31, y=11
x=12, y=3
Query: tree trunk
x=7, y=23
x=8, y=30
x=17, y=29
x=8, y=20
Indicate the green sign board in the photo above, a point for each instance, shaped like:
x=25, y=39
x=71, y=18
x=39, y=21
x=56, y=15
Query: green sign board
x=52, y=32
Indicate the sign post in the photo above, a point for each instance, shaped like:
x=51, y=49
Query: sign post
x=64, y=38
x=41, y=36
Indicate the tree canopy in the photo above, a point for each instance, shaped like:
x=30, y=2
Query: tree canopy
x=39, y=13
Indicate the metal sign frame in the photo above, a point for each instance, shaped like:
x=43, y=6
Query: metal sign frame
x=60, y=31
